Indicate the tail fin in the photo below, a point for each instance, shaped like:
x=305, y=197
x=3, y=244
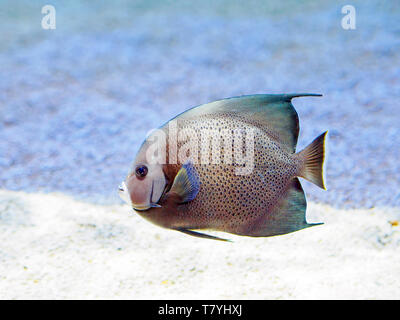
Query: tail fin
x=314, y=156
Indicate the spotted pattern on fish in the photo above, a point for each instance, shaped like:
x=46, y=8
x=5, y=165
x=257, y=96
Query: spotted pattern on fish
x=228, y=201
x=269, y=200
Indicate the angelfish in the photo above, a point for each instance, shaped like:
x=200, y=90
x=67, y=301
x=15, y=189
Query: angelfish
x=189, y=196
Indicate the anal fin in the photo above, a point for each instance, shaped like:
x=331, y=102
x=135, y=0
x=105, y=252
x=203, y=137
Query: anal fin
x=288, y=215
x=200, y=235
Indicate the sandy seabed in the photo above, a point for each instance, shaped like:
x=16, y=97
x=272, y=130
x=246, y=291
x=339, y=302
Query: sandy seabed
x=55, y=247
x=76, y=103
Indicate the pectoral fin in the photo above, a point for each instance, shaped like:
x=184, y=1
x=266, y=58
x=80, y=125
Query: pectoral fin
x=186, y=183
x=201, y=235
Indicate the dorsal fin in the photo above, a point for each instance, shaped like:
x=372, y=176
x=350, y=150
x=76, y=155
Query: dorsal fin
x=273, y=111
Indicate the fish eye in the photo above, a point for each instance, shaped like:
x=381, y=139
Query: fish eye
x=141, y=171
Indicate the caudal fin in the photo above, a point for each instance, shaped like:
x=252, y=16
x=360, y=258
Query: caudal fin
x=314, y=156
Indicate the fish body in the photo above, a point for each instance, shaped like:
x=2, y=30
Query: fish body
x=259, y=195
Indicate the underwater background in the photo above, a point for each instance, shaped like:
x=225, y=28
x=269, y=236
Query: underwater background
x=77, y=101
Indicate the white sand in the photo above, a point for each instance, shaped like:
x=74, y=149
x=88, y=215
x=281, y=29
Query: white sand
x=54, y=247
x=77, y=102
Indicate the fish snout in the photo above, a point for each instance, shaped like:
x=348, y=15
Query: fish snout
x=123, y=192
